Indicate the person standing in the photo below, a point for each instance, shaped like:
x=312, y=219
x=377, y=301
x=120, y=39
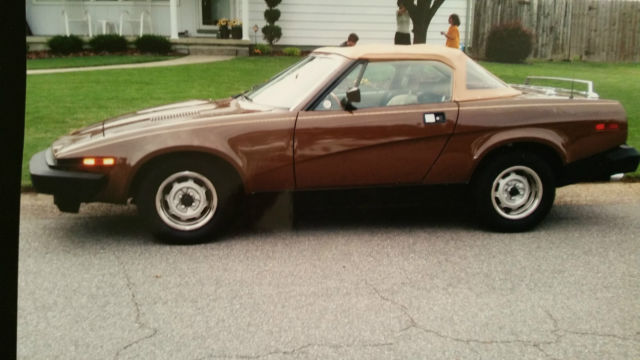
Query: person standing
x=418, y=14
x=403, y=37
x=453, y=35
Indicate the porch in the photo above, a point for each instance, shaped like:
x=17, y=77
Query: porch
x=133, y=17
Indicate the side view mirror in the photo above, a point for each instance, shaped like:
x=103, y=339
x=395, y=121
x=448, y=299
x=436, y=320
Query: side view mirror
x=353, y=95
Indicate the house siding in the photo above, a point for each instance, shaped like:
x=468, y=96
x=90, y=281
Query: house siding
x=329, y=23
x=303, y=23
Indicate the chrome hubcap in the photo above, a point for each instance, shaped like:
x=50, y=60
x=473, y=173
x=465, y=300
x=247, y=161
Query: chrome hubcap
x=516, y=192
x=186, y=200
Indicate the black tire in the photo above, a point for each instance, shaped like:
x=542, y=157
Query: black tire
x=514, y=191
x=204, y=196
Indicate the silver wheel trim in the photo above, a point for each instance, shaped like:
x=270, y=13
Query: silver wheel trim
x=186, y=201
x=516, y=192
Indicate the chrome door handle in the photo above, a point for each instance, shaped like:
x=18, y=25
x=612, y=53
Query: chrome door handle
x=433, y=118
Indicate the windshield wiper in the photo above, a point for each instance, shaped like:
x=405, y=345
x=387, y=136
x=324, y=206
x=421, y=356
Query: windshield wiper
x=243, y=95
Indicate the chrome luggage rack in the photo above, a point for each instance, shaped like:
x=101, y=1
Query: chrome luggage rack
x=558, y=91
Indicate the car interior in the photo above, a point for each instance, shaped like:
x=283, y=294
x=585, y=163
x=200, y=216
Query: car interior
x=393, y=83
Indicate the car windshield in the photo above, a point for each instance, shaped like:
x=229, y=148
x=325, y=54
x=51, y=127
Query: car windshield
x=291, y=86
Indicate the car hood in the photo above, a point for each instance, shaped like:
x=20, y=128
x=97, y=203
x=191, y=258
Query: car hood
x=144, y=120
x=165, y=114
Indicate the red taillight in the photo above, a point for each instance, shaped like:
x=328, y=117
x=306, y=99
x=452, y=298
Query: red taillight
x=98, y=161
x=607, y=126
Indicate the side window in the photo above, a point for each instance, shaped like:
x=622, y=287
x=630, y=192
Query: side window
x=378, y=76
x=333, y=98
x=374, y=80
x=393, y=83
x=348, y=82
x=424, y=82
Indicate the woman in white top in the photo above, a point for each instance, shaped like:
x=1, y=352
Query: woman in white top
x=403, y=21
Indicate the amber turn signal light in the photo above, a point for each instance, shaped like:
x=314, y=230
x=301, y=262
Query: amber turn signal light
x=98, y=161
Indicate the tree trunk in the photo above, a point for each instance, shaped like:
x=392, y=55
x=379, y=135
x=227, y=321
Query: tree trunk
x=421, y=15
x=419, y=34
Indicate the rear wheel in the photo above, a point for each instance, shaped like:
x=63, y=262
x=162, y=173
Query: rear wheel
x=514, y=192
x=187, y=201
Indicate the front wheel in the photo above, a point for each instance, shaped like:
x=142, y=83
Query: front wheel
x=514, y=192
x=187, y=201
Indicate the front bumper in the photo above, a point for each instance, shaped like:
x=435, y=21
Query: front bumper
x=600, y=167
x=69, y=188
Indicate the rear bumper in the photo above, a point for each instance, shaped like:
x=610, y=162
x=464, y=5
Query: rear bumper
x=600, y=167
x=69, y=188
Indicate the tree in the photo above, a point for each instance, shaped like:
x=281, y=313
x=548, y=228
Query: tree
x=421, y=15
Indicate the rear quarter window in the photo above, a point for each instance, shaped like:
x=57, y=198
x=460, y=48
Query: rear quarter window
x=479, y=78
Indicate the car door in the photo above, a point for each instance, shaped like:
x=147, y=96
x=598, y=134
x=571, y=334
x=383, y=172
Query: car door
x=393, y=134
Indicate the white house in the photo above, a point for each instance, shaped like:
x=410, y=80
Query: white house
x=303, y=22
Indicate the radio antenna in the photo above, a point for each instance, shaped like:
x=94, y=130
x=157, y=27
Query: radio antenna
x=572, y=82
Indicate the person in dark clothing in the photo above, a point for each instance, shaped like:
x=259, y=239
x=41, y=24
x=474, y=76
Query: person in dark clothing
x=403, y=21
x=351, y=40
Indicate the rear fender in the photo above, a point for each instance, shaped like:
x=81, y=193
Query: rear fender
x=468, y=150
x=545, y=137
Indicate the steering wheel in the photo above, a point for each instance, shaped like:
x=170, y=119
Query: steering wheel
x=335, y=101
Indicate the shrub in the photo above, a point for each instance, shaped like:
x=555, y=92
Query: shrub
x=509, y=42
x=108, y=43
x=153, y=44
x=262, y=49
x=271, y=31
x=65, y=44
x=273, y=3
x=291, y=51
x=272, y=15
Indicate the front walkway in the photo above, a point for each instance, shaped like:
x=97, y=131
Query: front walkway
x=185, y=60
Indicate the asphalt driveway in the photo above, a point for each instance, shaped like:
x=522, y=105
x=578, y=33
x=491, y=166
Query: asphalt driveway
x=381, y=283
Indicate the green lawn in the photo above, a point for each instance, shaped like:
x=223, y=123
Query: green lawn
x=58, y=103
x=84, y=61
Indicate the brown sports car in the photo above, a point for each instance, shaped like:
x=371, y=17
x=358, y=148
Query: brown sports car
x=353, y=117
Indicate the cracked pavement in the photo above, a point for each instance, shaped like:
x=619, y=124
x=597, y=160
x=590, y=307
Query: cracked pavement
x=391, y=283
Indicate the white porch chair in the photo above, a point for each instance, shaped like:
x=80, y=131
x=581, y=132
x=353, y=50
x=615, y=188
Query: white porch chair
x=84, y=18
x=139, y=21
x=106, y=26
